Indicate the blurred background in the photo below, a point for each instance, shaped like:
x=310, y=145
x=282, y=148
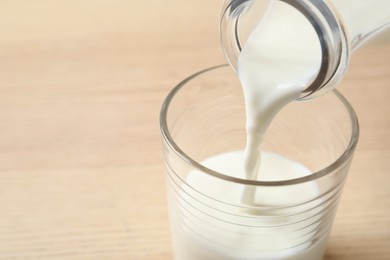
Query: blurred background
x=81, y=170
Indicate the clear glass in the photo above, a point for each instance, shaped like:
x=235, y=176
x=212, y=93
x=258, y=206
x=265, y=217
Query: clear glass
x=341, y=25
x=204, y=116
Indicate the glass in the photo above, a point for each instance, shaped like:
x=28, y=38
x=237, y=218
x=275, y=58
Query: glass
x=342, y=26
x=204, y=116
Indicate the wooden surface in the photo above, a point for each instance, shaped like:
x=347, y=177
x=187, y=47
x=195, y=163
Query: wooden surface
x=81, y=85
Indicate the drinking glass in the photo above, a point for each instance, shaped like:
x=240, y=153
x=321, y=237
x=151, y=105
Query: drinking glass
x=204, y=116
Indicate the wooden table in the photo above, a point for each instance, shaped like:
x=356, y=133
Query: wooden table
x=81, y=171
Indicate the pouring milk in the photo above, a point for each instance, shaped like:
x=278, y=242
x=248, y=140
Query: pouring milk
x=280, y=59
x=216, y=219
x=276, y=64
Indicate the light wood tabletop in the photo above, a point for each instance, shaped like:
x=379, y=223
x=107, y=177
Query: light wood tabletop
x=81, y=168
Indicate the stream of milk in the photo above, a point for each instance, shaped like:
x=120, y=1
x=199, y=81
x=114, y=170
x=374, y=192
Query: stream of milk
x=280, y=59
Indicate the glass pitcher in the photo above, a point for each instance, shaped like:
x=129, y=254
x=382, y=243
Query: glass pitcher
x=341, y=26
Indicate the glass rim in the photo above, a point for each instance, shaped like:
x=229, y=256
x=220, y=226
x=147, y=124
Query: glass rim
x=343, y=158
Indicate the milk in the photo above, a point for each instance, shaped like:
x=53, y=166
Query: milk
x=280, y=59
x=276, y=64
x=207, y=233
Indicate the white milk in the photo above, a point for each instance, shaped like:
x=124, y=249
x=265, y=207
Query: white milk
x=204, y=231
x=280, y=59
